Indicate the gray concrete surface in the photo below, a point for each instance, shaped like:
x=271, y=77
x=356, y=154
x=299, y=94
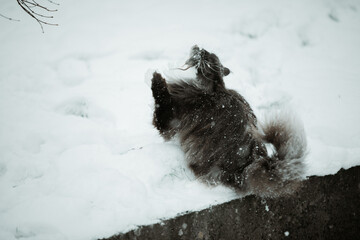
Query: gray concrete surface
x=324, y=208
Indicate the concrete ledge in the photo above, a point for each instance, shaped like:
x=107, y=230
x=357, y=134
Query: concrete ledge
x=325, y=208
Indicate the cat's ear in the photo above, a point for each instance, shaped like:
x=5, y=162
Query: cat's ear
x=226, y=71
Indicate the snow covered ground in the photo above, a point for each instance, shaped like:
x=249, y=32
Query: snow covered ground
x=79, y=158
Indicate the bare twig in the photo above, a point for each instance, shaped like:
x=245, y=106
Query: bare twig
x=53, y=2
x=35, y=13
x=31, y=7
x=8, y=18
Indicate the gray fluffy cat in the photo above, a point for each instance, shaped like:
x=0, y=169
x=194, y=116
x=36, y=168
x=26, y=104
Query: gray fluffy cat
x=219, y=133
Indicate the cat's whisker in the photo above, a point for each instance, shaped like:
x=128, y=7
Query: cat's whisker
x=201, y=69
x=209, y=66
x=182, y=67
x=215, y=65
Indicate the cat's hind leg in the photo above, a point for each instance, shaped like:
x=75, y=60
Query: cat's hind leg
x=163, y=113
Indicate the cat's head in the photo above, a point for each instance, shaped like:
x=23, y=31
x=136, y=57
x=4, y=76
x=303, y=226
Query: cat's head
x=208, y=65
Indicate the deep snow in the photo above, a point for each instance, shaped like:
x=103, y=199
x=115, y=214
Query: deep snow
x=79, y=158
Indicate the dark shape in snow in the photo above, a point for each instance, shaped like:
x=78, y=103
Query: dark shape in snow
x=333, y=17
x=76, y=107
x=213, y=122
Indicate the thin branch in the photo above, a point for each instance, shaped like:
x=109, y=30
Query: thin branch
x=53, y=2
x=38, y=5
x=35, y=13
x=31, y=7
x=8, y=18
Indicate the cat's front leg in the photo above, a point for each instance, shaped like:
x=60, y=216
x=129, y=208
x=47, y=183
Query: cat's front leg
x=163, y=113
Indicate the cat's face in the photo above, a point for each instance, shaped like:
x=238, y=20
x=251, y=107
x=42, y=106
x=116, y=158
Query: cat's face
x=207, y=64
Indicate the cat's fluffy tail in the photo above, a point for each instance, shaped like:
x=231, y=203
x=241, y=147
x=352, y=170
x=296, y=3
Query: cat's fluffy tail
x=283, y=171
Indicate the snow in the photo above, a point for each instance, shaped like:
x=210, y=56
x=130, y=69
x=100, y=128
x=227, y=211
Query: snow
x=79, y=158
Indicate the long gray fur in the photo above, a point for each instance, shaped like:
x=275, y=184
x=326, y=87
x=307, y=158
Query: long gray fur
x=220, y=135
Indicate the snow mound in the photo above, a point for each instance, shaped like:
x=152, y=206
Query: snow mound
x=79, y=157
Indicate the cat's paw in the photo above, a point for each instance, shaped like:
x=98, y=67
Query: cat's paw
x=157, y=80
x=157, y=77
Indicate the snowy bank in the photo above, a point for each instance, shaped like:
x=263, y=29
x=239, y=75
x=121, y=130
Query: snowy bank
x=79, y=158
